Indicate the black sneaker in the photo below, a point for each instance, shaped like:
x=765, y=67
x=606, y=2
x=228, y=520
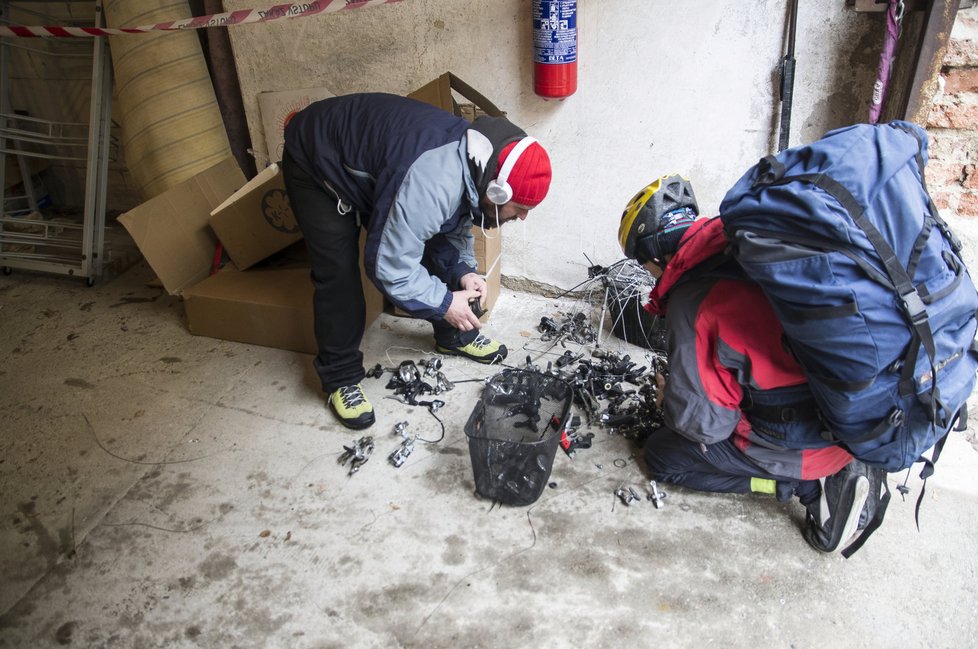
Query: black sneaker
x=482, y=349
x=351, y=407
x=876, y=496
x=834, y=517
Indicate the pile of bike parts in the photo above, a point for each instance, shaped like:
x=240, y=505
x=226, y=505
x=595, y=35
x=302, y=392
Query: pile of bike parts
x=567, y=327
x=611, y=390
x=411, y=380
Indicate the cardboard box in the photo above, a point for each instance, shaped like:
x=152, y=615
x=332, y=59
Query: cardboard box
x=277, y=108
x=268, y=305
x=265, y=306
x=256, y=221
x=441, y=93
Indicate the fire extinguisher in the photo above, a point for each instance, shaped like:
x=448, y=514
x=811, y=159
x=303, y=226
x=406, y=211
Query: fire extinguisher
x=554, y=48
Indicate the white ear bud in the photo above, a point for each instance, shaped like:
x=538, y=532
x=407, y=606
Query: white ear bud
x=499, y=191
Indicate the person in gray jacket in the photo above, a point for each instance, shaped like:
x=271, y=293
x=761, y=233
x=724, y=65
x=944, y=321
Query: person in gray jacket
x=417, y=178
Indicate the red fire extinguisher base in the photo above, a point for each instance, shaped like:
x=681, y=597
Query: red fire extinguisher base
x=555, y=80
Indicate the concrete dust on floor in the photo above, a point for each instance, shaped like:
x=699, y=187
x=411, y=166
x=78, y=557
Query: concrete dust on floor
x=166, y=490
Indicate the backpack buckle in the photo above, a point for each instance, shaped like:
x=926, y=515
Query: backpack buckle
x=895, y=418
x=914, y=307
x=952, y=239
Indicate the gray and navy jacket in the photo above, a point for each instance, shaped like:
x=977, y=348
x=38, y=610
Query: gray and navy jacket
x=404, y=166
x=729, y=371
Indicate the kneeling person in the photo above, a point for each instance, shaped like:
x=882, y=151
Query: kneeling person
x=739, y=416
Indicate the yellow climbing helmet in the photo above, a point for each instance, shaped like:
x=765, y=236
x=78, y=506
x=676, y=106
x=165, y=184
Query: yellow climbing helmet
x=644, y=216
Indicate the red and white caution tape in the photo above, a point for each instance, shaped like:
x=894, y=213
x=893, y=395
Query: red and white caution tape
x=240, y=17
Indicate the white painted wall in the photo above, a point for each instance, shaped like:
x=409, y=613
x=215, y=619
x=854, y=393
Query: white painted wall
x=685, y=86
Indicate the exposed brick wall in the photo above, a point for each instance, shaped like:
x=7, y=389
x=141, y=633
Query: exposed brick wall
x=952, y=174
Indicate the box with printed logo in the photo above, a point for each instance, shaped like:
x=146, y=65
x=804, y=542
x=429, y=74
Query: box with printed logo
x=256, y=221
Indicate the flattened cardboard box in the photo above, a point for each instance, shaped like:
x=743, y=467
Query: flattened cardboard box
x=256, y=221
x=261, y=306
x=172, y=230
x=277, y=108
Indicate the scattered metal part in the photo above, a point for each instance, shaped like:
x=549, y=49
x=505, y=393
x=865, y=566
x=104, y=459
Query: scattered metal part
x=570, y=439
x=407, y=382
x=568, y=357
x=431, y=366
x=573, y=327
x=627, y=496
x=376, y=372
x=407, y=372
x=552, y=485
x=655, y=495
x=357, y=454
x=442, y=384
x=401, y=453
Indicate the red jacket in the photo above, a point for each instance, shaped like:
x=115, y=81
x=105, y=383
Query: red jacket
x=723, y=338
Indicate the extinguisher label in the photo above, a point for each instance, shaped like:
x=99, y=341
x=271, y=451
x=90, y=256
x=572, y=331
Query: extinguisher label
x=555, y=31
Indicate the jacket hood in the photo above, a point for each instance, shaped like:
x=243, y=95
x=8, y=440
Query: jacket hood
x=702, y=240
x=486, y=138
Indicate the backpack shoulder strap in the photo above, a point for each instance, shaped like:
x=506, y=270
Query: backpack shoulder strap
x=720, y=266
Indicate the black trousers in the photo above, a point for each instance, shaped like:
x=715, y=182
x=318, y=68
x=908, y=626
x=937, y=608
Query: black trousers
x=339, y=310
x=722, y=468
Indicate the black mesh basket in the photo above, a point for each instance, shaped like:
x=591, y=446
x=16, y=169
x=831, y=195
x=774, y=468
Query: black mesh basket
x=513, y=434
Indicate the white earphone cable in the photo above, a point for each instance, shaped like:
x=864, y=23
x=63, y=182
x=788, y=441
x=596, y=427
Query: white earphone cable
x=482, y=223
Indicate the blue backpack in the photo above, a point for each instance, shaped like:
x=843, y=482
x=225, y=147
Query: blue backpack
x=868, y=283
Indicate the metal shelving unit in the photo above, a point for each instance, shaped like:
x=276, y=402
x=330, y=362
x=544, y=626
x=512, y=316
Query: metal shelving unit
x=62, y=246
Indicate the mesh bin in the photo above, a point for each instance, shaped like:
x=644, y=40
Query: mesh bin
x=513, y=434
x=628, y=289
x=633, y=324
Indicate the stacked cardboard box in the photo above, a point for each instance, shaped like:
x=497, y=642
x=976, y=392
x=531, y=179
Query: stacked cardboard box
x=265, y=296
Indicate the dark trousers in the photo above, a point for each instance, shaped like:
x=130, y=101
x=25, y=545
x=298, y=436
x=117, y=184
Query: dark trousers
x=339, y=309
x=721, y=468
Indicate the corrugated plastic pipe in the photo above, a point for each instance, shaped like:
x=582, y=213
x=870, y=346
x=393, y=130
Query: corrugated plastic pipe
x=171, y=124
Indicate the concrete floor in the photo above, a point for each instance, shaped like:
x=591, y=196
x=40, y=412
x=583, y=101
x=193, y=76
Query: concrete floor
x=165, y=490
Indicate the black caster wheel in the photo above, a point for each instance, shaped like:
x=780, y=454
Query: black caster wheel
x=90, y=282
x=7, y=270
